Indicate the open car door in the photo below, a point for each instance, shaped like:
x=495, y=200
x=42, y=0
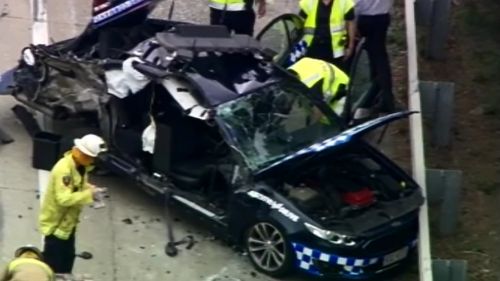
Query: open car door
x=360, y=94
x=281, y=37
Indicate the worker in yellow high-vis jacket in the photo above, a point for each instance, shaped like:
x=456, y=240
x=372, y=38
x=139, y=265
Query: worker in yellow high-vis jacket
x=325, y=80
x=237, y=15
x=67, y=193
x=329, y=30
x=27, y=265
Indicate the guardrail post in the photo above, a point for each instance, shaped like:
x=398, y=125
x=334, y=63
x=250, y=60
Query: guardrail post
x=445, y=187
x=423, y=12
x=449, y=270
x=439, y=28
x=438, y=100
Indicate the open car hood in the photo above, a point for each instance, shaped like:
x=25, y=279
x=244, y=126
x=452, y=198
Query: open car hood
x=107, y=11
x=344, y=137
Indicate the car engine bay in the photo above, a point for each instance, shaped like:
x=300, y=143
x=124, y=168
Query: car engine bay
x=347, y=188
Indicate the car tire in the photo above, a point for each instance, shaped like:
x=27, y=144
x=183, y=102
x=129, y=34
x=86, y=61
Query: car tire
x=269, y=249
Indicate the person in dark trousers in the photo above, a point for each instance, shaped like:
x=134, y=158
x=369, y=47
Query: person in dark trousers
x=68, y=191
x=373, y=22
x=329, y=30
x=237, y=15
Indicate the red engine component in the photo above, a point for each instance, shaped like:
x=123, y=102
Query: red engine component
x=360, y=198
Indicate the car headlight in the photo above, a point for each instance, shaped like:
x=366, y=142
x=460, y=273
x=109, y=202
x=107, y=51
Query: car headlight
x=333, y=237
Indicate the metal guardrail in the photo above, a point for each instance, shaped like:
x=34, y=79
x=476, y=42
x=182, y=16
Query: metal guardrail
x=417, y=141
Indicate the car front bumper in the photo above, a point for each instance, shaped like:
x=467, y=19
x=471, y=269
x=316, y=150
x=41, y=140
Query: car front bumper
x=320, y=263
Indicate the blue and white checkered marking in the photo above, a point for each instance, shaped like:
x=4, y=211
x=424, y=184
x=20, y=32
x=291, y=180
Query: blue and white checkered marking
x=298, y=51
x=125, y=6
x=354, y=266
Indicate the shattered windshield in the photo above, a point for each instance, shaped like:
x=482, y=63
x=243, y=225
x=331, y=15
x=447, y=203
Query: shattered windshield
x=273, y=122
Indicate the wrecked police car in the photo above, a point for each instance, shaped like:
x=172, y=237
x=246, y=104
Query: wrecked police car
x=210, y=119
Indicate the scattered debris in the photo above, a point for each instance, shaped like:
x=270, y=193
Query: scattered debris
x=30, y=208
x=4, y=10
x=225, y=278
x=253, y=274
x=477, y=111
x=209, y=238
x=475, y=252
x=85, y=255
x=127, y=221
x=73, y=277
x=142, y=247
x=167, y=272
x=222, y=276
x=20, y=216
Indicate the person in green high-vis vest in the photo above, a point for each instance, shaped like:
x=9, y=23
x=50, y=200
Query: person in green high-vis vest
x=329, y=30
x=68, y=191
x=327, y=83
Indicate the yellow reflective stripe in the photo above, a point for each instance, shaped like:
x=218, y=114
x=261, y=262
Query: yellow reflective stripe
x=228, y=7
x=338, y=107
x=61, y=234
x=20, y=261
x=331, y=80
x=335, y=29
x=309, y=30
x=311, y=78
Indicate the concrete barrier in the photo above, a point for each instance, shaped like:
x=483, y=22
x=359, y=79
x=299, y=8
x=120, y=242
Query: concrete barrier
x=417, y=142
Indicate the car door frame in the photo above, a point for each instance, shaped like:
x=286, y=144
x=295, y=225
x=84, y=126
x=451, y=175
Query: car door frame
x=292, y=42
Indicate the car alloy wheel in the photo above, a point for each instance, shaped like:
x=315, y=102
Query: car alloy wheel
x=268, y=249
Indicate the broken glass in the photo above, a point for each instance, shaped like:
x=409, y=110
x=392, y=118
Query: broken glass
x=273, y=122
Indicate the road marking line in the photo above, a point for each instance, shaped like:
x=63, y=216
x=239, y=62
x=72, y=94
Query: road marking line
x=40, y=32
x=72, y=13
x=40, y=35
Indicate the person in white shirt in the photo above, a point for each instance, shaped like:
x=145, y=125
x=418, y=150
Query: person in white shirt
x=373, y=20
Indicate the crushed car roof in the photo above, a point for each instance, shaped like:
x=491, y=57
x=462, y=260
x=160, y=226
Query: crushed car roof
x=221, y=65
x=207, y=38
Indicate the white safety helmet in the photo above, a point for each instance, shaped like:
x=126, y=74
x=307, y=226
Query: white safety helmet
x=91, y=145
